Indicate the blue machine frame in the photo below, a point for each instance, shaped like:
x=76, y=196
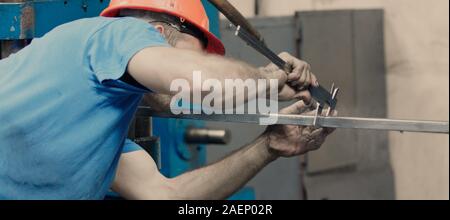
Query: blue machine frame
x=32, y=19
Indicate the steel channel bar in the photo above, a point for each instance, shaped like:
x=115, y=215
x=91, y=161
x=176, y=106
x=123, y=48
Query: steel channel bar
x=368, y=123
x=329, y=122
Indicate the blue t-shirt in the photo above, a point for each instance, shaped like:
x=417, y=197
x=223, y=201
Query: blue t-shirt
x=64, y=113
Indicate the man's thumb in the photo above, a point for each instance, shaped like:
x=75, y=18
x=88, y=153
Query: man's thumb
x=296, y=108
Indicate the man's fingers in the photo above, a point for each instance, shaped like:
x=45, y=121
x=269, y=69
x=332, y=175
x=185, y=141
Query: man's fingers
x=301, y=70
x=324, y=131
x=329, y=131
x=308, y=80
x=280, y=74
x=285, y=56
x=296, y=73
x=288, y=93
x=271, y=67
x=334, y=113
x=317, y=132
x=315, y=144
x=303, y=78
x=312, y=107
x=312, y=112
x=296, y=108
x=314, y=80
x=294, y=77
x=304, y=96
x=308, y=131
x=313, y=138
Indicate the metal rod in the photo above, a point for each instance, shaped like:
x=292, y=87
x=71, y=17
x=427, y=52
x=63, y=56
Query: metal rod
x=329, y=122
x=320, y=94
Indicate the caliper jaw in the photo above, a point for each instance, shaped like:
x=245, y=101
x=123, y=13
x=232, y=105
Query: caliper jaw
x=323, y=99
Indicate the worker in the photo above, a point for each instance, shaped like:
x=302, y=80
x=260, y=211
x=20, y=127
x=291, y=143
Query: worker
x=67, y=99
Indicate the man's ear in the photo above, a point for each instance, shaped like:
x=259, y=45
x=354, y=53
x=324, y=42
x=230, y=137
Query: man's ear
x=160, y=28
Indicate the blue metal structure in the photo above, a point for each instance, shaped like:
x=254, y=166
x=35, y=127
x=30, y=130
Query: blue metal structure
x=30, y=19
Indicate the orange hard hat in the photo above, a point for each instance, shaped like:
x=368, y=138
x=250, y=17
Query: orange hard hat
x=191, y=11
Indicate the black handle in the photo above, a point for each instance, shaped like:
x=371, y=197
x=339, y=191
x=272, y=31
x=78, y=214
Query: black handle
x=320, y=94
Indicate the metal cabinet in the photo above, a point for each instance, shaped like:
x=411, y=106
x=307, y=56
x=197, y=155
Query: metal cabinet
x=344, y=47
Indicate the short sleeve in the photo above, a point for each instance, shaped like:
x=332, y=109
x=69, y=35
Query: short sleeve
x=111, y=48
x=129, y=146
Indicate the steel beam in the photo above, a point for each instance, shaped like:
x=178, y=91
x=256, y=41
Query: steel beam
x=439, y=127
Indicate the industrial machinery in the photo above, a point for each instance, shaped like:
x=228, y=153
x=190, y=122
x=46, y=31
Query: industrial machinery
x=184, y=141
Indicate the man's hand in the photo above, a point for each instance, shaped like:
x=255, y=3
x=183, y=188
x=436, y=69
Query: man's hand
x=289, y=140
x=138, y=177
x=293, y=85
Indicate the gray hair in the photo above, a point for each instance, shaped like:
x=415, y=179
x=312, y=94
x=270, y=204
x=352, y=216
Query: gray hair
x=171, y=33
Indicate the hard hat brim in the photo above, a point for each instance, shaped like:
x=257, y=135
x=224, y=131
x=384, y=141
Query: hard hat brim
x=215, y=45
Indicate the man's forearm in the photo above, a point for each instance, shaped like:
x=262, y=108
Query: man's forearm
x=158, y=68
x=222, y=179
